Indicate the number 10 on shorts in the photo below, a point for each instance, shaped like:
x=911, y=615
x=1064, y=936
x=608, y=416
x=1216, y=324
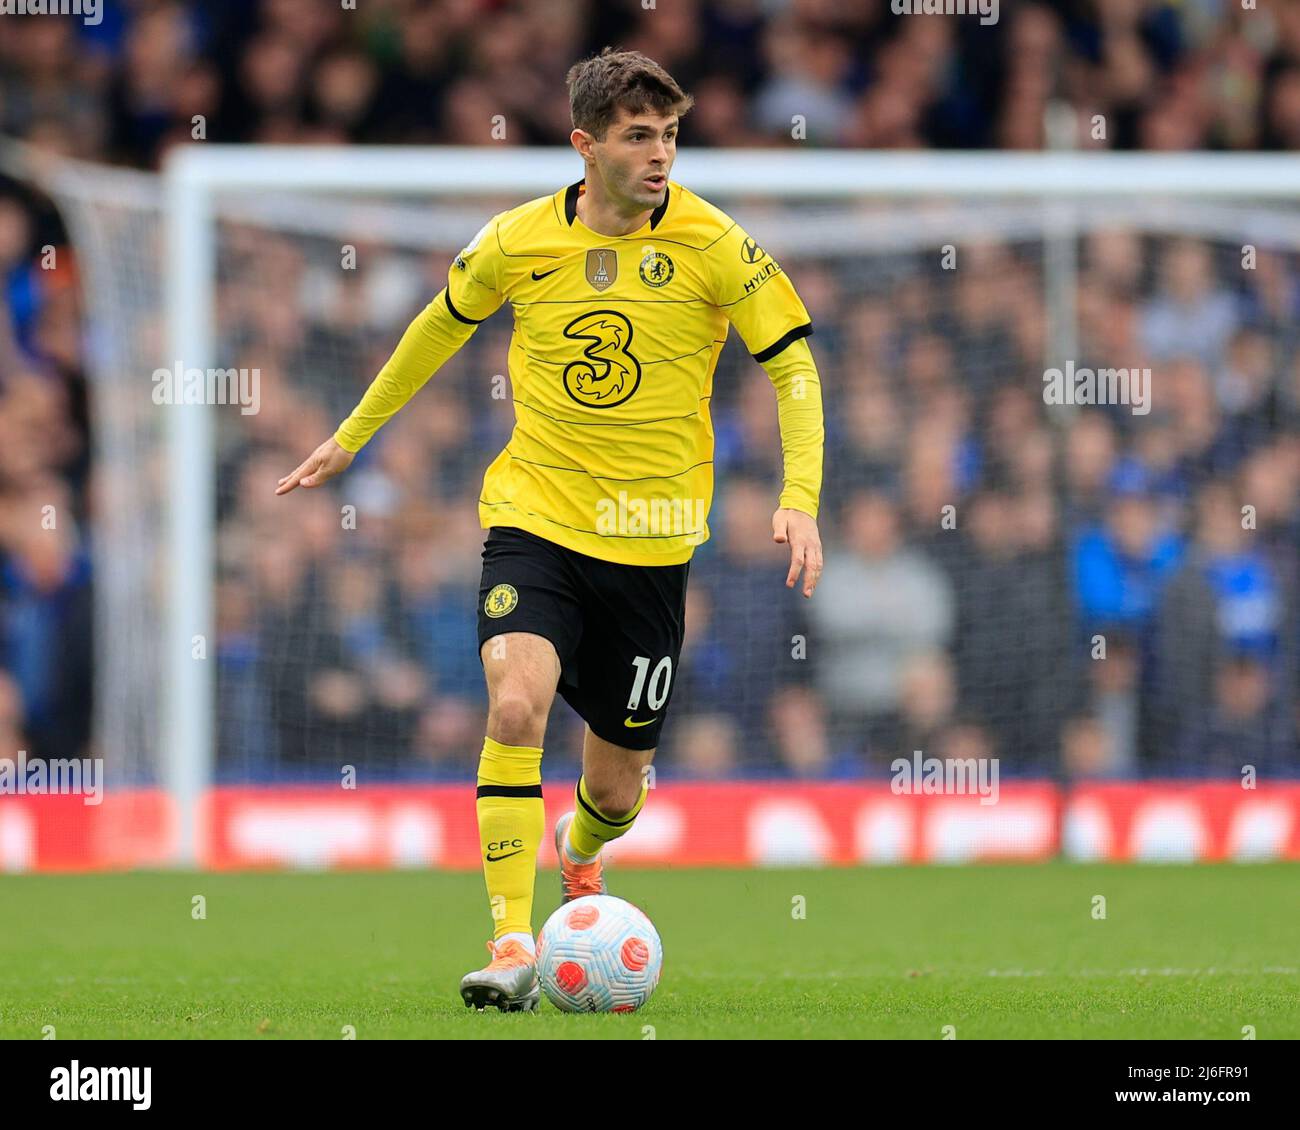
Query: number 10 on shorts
x=660, y=681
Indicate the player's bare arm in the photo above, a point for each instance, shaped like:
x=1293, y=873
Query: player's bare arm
x=799, y=531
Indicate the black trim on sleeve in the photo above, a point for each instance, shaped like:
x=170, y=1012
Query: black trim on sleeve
x=509, y=790
x=785, y=339
x=446, y=293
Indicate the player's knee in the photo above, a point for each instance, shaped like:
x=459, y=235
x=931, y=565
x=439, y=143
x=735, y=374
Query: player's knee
x=516, y=719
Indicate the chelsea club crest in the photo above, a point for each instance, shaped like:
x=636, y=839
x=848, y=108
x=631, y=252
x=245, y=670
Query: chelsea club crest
x=656, y=269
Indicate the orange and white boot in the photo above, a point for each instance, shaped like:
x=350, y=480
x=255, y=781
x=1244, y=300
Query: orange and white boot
x=576, y=879
x=508, y=981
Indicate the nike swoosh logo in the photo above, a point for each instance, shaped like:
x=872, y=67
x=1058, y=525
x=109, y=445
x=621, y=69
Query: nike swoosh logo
x=538, y=278
x=633, y=725
x=499, y=858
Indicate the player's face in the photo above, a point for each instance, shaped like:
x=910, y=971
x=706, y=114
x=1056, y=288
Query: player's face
x=635, y=158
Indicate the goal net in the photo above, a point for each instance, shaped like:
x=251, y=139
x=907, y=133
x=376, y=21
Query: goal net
x=1059, y=503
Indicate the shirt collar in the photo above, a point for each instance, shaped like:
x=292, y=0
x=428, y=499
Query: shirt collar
x=574, y=190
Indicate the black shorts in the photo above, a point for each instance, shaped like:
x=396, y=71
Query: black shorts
x=616, y=628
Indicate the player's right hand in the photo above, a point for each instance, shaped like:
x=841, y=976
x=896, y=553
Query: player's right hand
x=322, y=464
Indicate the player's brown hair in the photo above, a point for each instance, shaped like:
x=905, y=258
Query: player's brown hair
x=600, y=85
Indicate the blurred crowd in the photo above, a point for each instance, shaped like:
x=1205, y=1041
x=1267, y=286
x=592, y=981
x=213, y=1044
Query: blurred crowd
x=1086, y=592
x=45, y=576
x=1119, y=593
x=152, y=73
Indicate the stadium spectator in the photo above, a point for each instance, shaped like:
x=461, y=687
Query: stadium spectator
x=1245, y=724
x=1114, y=674
x=1121, y=564
x=1088, y=751
x=46, y=616
x=1189, y=314
x=1012, y=642
x=926, y=707
x=1225, y=599
x=880, y=602
x=708, y=747
x=750, y=637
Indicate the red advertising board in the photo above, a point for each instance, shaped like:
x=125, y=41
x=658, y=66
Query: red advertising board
x=736, y=824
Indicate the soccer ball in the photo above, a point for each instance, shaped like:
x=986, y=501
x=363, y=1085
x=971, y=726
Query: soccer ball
x=599, y=954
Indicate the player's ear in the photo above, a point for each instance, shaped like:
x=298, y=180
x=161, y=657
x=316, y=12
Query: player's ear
x=582, y=142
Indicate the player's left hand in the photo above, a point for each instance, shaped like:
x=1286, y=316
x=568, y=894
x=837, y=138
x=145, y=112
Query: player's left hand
x=800, y=530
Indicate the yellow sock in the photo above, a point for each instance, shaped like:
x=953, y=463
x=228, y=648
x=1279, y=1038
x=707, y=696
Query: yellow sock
x=511, y=823
x=591, y=829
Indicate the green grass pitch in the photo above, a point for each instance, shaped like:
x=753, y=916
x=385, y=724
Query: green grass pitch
x=993, y=951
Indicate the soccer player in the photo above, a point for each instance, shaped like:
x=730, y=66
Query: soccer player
x=622, y=287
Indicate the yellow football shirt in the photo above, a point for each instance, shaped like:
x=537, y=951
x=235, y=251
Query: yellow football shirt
x=611, y=365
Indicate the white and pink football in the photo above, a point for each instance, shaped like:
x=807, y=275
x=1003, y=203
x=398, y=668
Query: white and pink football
x=599, y=953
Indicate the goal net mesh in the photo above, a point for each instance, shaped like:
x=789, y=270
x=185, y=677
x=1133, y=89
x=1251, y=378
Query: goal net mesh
x=1074, y=588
